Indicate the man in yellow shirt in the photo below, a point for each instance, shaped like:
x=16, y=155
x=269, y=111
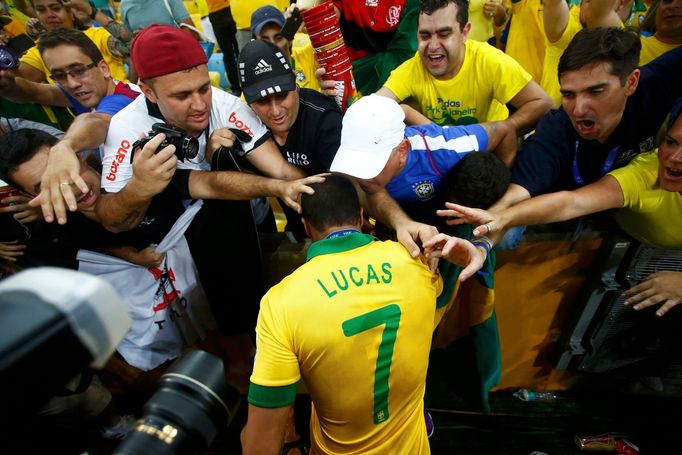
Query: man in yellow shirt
x=355, y=324
x=52, y=14
x=668, y=31
x=455, y=81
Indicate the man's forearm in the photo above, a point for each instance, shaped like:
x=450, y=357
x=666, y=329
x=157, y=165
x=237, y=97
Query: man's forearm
x=528, y=115
x=26, y=91
x=122, y=211
x=87, y=131
x=501, y=140
x=515, y=194
x=232, y=185
x=382, y=207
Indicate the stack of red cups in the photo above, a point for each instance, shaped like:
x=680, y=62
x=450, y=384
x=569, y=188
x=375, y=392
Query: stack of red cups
x=330, y=51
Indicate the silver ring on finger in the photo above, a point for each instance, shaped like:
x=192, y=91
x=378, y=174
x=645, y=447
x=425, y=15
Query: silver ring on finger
x=489, y=226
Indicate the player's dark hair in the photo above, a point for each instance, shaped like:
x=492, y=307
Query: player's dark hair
x=429, y=7
x=477, y=180
x=617, y=47
x=19, y=146
x=335, y=203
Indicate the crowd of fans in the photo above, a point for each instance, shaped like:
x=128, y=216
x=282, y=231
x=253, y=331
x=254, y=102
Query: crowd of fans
x=129, y=160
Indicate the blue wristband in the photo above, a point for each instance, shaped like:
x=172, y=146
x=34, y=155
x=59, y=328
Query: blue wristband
x=482, y=244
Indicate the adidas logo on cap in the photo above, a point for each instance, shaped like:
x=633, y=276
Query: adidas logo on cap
x=262, y=67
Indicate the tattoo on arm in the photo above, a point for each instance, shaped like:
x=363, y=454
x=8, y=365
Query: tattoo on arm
x=118, y=48
x=127, y=223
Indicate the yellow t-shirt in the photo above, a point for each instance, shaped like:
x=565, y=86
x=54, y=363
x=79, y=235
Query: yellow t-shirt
x=526, y=41
x=100, y=37
x=487, y=75
x=652, y=47
x=355, y=323
x=242, y=10
x=216, y=5
x=303, y=61
x=650, y=214
x=481, y=25
x=553, y=51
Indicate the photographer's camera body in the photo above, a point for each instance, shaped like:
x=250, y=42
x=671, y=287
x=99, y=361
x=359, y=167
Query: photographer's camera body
x=186, y=147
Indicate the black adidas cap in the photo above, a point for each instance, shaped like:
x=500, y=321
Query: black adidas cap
x=264, y=70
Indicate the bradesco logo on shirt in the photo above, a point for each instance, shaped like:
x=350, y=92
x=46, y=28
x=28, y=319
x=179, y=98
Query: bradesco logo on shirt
x=118, y=159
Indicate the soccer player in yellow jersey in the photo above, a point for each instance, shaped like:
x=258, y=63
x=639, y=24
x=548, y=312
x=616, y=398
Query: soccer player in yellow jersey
x=455, y=81
x=355, y=324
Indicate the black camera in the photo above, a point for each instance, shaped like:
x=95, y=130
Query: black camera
x=192, y=403
x=186, y=147
x=8, y=58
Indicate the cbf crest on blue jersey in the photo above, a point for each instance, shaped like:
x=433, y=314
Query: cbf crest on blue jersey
x=423, y=189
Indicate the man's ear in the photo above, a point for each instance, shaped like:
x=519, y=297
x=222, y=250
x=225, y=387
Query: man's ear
x=631, y=82
x=403, y=148
x=466, y=30
x=147, y=90
x=104, y=68
x=306, y=226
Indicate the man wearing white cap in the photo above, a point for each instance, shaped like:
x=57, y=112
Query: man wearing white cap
x=411, y=163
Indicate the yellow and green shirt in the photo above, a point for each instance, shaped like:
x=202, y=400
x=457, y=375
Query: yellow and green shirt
x=526, y=41
x=487, y=80
x=355, y=323
x=303, y=62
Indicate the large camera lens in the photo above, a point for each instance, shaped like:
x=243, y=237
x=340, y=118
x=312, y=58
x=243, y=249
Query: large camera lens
x=184, y=415
x=189, y=147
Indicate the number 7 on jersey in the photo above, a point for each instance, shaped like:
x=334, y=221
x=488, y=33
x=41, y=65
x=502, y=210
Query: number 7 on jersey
x=390, y=316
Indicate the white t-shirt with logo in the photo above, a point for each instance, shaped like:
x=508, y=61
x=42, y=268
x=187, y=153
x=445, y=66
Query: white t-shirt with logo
x=127, y=125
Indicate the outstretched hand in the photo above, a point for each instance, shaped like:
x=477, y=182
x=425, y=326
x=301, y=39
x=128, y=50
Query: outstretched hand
x=411, y=234
x=662, y=288
x=292, y=190
x=486, y=223
x=19, y=206
x=458, y=251
x=61, y=174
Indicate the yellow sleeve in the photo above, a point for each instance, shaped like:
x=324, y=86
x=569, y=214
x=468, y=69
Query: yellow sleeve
x=32, y=57
x=508, y=75
x=403, y=78
x=100, y=37
x=638, y=175
x=276, y=364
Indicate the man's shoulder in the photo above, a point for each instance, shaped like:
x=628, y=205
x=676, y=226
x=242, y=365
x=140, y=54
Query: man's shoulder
x=316, y=101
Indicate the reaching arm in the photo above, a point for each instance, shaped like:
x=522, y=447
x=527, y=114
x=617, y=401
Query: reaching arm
x=267, y=159
x=22, y=90
x=514, y=194
x=384, y=208
x=413, y=116
x=531, y=103
x=264, y=430
x=501, y=140
x=242, y=186
x=600, y=13
x=87, y=131
x=548, y=208
x=383, y=91
x=26, y=71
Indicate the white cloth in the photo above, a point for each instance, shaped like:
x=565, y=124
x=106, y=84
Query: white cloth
x=167, y=305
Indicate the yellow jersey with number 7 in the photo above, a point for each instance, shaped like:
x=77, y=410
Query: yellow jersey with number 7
x=355, y=323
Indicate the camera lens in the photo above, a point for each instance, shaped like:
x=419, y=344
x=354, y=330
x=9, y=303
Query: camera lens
x=184, y=415
x=190, y=147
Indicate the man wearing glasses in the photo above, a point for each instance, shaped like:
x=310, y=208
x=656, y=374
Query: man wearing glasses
x=85, y=85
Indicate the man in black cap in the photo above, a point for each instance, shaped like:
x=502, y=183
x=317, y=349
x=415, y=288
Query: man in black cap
x=305, y=124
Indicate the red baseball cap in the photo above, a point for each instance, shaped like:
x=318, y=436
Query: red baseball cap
x=162, y=49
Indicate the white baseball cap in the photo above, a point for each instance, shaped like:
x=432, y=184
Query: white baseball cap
x=372, y=127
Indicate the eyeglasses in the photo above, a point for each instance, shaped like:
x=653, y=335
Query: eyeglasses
x=76, y=72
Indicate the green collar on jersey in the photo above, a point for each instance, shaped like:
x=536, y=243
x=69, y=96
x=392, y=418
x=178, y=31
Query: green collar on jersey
x=338, y=244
